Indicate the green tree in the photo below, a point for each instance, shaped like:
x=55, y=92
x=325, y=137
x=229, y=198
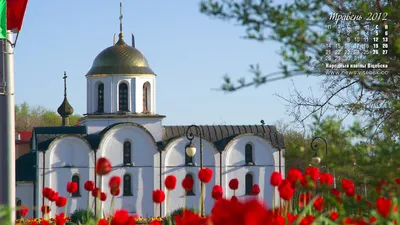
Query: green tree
x=27, y=117
x=301, y=28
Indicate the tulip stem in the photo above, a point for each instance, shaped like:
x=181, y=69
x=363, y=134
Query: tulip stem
x=273, y=199
x=66, y=205
x=88, y=205
x=166, y=211
x=112, y=206
x=184, y=204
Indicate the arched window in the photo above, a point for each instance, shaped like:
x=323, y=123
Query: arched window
x=127, y=153
x=127, y=183
x=146, y=97
x=75, y=178
x=249, y=183
x=123, y=97
x=249, y=154
x=188, y=159
x=191, y=192
x=19, y=203
x=100, y=98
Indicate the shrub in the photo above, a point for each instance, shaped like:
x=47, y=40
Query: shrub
x=80, y=216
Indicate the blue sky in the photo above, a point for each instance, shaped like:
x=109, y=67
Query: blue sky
x=188, y=51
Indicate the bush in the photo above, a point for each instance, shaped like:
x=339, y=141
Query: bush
x=80, y=216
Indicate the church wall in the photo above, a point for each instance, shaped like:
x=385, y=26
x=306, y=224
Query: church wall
x=265, y=158
x=67, y=156
x=153, y=125
x=174, y=158
x=24, y=192
x=143, y=156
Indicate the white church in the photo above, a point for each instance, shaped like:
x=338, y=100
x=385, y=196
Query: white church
x=122, y=124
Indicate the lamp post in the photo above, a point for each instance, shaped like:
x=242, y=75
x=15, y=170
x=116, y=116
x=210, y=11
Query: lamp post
x=314, y=146
x=191, y=151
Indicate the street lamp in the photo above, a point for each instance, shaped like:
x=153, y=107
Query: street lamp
x=191, y=151
x=314, y=146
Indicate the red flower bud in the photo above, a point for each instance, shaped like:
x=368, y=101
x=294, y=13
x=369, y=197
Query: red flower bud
x=53, y=197
x=294, y=175
x=334, y=215
x=96, y=192
x=383, y=206
x=103, y=196
x=114, y=182
x=187, y=183
x=170, y=182
x=312, y=172
x=47, y=192
x=61, y=201
x=255, y=190
x=89, y=185
x=103, y=166
x=205, y=175
x=72, y=187
x=114, y=191
x=276, y=178
x=23, y=211
x=158, y=196
x=319, y=204
x=234, y=184
x=217, y=192
x=45, y=209
x=326, y=179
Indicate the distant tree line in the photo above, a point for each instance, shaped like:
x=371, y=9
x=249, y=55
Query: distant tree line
x=27, y=117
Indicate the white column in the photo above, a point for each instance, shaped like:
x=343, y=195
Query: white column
x=7, y=130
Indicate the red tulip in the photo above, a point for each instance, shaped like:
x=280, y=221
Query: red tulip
x=89, y=185
x=45, y=209
x=155, y=222
x=326, y=179
x=170, y=182
x=103, y=222
x=187, y=183
x=312, y=172
x=61, y=201
x=234, y=184
x=276, y=178
x=397, y=180
x=304, y=198
x=286, y=192
x=114, y=182
x=47, y=192
x=383, y=206
x=255, y=190
x=217, y=192
x=53, y=197
x=72, y=187
x=158, y=196
x=121, y=217
x=205, y=175
x=114, y=191
x=234, y=199
x=23, y=211
x=294, y=175
x=103, y=196
x=319, y=204
x=96, y=192
x=334, y=215
x=307, y=182
x=335, y=192
x=60, y=219
x=307, y=220
x=348, y=187
x=103, y=166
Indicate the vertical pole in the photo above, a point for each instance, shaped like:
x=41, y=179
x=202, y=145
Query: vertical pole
x=201, y=167
x=7, y=131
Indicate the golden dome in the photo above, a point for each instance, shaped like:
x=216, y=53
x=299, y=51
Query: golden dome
x=120, y=59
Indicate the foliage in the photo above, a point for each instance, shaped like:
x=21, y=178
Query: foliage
x=82, y=216
x=27, y=117
x=300, y=26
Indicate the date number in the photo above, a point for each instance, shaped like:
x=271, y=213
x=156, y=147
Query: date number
x=377, y=16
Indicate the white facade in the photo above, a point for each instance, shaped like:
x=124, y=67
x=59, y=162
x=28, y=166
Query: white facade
x=155, y=151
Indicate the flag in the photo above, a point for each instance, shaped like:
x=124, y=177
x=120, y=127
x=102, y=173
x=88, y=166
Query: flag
x=3, y=19
x=15, y=14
